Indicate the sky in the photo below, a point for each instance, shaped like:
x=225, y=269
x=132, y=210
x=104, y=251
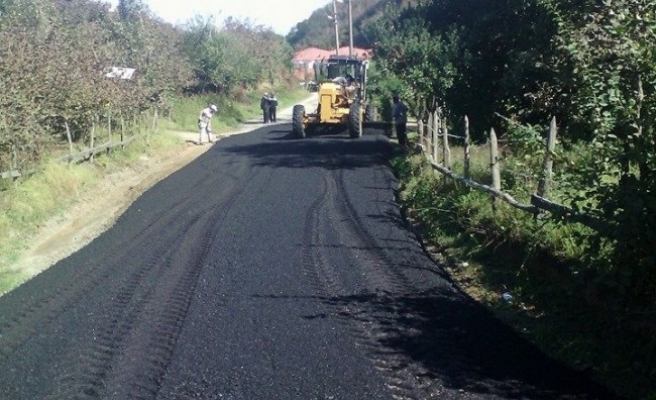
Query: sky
x=280, y=15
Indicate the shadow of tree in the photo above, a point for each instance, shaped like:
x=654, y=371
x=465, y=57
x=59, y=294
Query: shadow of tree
x=333, y=150
x=457, y=343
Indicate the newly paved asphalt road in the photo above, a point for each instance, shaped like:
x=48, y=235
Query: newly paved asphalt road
x=269, y=268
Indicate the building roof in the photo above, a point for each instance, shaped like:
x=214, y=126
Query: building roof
x=315, y=53
x=362, y=53
x=310, y=54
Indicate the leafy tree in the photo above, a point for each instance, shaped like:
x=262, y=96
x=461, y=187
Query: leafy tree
x=612, y=60
x=481, y=57
x=421, y=62
x=129, y=10
x=236, y=57
x=53, y=58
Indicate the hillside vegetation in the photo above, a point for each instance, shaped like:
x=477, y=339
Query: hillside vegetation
x=319, y=29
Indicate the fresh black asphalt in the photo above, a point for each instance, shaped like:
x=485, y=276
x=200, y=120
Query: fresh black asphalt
x=268, y=268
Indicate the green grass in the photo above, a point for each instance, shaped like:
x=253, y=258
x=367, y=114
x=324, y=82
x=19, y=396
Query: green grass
x=543, y=263
x=28, y=205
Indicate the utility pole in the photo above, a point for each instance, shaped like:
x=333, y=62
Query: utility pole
x=336, y=27
x=350, y=18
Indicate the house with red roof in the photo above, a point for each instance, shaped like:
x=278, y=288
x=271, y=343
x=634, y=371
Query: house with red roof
x=304, y=60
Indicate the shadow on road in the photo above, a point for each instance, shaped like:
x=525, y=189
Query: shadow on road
x=458, y=343
x=330, y=151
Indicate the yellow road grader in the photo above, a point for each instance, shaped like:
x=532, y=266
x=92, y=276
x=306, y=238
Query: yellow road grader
x=342, y=98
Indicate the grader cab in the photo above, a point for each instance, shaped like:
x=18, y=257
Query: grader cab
x=342, y=98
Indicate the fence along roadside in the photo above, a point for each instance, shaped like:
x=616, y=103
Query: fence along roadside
x=87, y=155
x=434, y=136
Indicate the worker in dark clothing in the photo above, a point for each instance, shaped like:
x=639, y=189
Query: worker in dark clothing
x=273, y=107
x=264, y=105
x=400, y=115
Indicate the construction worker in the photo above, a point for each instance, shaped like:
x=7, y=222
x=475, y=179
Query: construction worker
x=264, y=105
x=205, y=123
x=273, y=107
x=400, y=115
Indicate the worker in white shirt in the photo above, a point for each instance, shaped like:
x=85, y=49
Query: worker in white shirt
x=205, y=123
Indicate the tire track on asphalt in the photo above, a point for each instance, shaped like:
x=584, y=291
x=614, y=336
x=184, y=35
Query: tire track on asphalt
x=362, y=314
x=142, y=380
x=192, y=384
x=131, y=358
x=160, y=289
x=45, y=306
x=161, y=286
x=385, y=282
x=382, y=284
x=29, y=317
x=96, y=358
x=154, y=338
x=379, y=266
x=428, y=348
x=325, y=278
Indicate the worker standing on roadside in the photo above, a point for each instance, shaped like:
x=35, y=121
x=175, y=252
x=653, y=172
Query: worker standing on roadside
x=264, y=105
x=205, y=123
x=400, y=115
x=273, y=107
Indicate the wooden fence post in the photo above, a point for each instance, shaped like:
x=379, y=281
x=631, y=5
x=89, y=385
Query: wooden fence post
x=429, y=133
x=434, y=135
x=70, y=140
x=467, y=155
x=93, y=137
x=420, y=130
x=122, y=131
x=109, y=125
x=14, y=157
x=155, y=119
x=494, y=162
x=545, y=179
x=446, y=151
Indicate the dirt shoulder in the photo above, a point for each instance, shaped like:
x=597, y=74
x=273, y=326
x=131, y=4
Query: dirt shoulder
x=100, y=205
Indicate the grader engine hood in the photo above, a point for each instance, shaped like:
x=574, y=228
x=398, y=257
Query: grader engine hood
x=334, y=102
x=329, y=88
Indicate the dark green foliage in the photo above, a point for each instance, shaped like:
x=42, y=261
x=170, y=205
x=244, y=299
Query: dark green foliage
x=589, y=64
x=129, y=10
x=611, y=55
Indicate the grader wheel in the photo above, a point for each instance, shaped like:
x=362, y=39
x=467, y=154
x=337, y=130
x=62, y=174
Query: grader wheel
x=355, y=120
x=298, y=128
x=370, y=113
